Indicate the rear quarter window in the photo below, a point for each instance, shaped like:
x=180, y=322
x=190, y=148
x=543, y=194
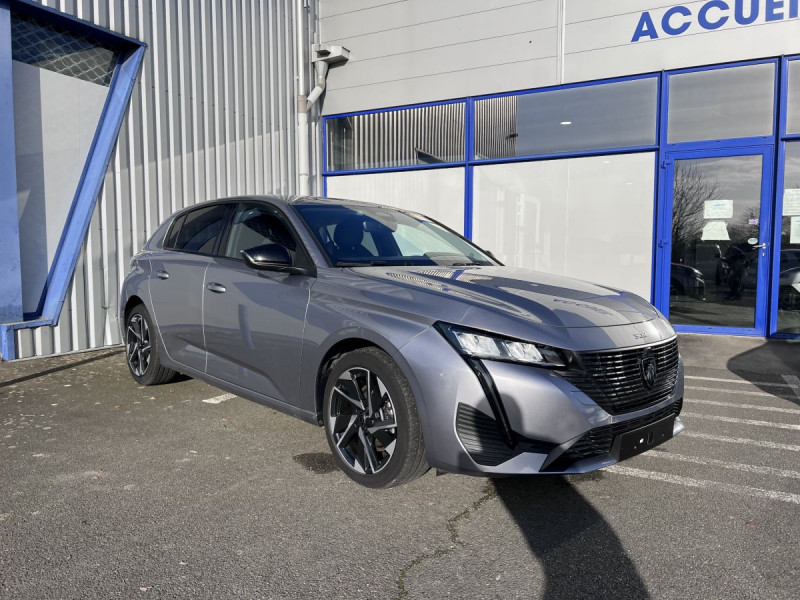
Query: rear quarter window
x=198, y=230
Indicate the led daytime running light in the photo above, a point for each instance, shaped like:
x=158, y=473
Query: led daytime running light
x=480, y=345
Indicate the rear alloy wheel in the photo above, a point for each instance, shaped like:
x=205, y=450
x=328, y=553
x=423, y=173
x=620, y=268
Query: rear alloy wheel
x=142, y=350
x=371, y=420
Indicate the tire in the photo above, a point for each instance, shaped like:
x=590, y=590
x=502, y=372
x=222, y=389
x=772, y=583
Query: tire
x=360, y=434
x=143, y=351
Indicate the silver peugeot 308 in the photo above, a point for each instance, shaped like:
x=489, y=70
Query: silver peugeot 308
x=410, y=345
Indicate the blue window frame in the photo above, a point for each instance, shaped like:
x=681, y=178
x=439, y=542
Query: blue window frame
x=130, y=55
x=668, y=152
x=783, y=138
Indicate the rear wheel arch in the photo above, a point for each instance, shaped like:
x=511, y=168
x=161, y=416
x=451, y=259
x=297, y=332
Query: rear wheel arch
x=132, y=303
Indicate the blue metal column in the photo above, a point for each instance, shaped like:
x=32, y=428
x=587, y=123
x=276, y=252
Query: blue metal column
x=10, y=275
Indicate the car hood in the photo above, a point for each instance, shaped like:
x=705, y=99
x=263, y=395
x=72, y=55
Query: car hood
x=535, y=297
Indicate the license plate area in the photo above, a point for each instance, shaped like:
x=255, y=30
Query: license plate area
x=637, y=441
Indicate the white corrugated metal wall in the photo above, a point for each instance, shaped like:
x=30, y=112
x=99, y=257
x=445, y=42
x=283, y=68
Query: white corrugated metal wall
x=213, y=114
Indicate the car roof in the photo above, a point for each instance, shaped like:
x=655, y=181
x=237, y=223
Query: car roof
x=286, y=201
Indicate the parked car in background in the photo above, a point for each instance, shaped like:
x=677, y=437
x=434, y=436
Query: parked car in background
x=686, y=281
x=410, y=345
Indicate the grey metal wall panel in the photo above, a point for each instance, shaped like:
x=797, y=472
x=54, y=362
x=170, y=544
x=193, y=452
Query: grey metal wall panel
x=212, y=114
x=416, y=50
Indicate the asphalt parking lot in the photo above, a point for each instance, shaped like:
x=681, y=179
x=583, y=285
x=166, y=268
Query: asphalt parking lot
x=109, y=490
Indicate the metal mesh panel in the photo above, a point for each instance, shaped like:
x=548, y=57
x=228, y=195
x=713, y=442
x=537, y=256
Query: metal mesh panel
x=54, y=48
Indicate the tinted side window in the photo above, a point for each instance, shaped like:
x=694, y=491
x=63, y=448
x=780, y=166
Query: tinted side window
x=173, y=232
x=255, y=225
x=199, y=230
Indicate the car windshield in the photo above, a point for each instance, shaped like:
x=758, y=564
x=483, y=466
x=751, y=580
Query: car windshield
x=354, y=236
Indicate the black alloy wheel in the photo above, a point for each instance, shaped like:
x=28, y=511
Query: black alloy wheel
x=142, y=349
x=371, y=420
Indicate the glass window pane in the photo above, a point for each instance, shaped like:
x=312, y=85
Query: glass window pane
x=256, y=225
x=437, y=193
x=793, y=104
x=200, y=229
x=612, y=115
x=174, y=231
x=789, y=278
x=362, y=234
x=588, y=218
x=415, y=136
x=716, y=211
x=721, y=103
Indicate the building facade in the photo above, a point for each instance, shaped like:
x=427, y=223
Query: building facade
x=651, y=146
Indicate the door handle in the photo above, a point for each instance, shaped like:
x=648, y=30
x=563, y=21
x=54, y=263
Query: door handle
x=216, y=288
x=762, y=246
x=162, y=274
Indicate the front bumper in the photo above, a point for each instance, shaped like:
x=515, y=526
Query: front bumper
x=556, y=428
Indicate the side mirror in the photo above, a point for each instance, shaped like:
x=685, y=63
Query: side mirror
x=271, y=257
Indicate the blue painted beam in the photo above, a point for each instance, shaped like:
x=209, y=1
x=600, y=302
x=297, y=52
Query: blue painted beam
x=10, y=273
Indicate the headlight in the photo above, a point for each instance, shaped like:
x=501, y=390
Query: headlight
x=480, y=344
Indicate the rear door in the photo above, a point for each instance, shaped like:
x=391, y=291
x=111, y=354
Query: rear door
x=176, y=282
x=254, y=319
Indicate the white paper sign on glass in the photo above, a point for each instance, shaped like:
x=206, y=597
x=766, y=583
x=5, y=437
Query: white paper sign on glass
x=791, y=202
x=718, y=209
x=794, y=231
x=715, y=230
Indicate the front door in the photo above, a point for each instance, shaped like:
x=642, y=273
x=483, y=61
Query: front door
x=714, y=240
x=254, y=320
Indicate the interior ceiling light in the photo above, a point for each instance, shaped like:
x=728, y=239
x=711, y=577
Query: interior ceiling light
x=566, y=122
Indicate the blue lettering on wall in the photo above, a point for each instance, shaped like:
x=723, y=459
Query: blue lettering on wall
x=739, y=12
x=702, y=16
x=666, y=21
x=713, y=14
x=771, y=13
x=645, y=28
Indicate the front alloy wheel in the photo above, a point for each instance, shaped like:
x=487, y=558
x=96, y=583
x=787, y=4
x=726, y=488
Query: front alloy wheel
x=371, y=420
x=362, y=421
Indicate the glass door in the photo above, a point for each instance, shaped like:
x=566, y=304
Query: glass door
x=715, y=240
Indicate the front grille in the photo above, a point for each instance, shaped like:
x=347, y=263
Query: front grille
x=484, y=441
x=598, y=441
x=614, y=379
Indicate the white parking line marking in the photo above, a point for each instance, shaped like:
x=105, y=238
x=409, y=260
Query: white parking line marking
x=789, y=384
x=743, y=421
x=742, y=490
x=218, y=399
x=724, y=464
x=745, y=441
x=793, y=381
x=737, y=392
x=788, y=411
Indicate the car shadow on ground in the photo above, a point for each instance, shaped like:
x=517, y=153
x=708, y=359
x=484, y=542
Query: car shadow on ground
x=770, y=363
x=578, y=550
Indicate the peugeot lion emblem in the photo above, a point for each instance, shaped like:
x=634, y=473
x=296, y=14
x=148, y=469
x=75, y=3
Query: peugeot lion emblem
x=648, y=366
